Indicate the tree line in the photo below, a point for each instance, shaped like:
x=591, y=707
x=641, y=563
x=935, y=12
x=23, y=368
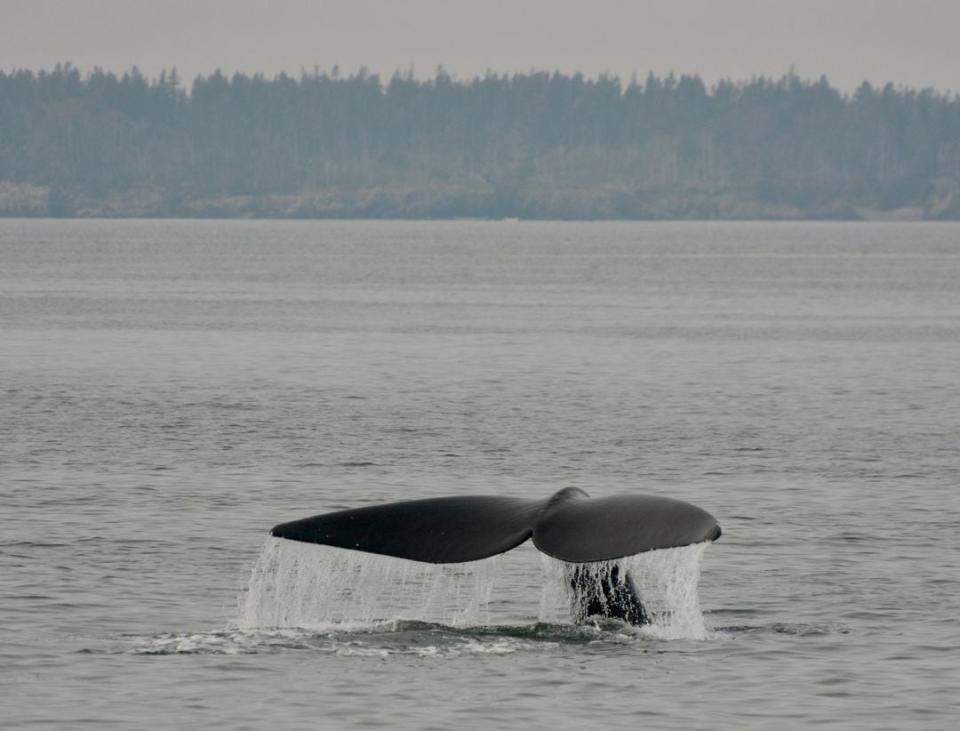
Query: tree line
x=536, y=145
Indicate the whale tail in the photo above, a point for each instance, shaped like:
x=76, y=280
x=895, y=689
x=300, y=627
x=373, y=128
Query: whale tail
x=569, y=526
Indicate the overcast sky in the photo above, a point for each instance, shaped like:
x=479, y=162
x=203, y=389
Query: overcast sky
x=911, y=42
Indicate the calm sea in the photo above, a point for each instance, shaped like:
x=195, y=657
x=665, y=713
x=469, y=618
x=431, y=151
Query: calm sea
x=169, y=390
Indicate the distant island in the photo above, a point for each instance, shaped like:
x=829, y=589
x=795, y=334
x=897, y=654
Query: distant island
x=535, y=145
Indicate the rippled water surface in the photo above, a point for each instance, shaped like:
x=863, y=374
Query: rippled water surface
x=170, y=390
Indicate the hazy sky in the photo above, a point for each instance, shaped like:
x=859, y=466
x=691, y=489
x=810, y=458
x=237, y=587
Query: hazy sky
x=913, y=42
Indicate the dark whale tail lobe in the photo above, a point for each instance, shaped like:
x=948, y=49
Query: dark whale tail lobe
x=436, y=530
x=569, y=525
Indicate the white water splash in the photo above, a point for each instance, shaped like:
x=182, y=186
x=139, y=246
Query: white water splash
x=667, y=582
x=322, y=588
x=319, y=587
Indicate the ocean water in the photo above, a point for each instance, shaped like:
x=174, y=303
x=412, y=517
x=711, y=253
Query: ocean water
x=169, y=390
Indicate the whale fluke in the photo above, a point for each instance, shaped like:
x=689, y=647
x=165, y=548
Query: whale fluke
x=577, y=528
x=569, y=525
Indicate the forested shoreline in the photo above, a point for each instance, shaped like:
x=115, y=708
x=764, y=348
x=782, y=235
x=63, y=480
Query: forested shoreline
x=530, y=145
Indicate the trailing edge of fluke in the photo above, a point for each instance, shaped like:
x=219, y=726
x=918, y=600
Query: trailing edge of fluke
x=569, y=525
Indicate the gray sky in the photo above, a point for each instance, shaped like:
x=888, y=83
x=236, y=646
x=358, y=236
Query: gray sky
x=915, y=42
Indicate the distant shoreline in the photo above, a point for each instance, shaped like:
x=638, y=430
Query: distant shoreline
x=29, y=201
x=542, y=146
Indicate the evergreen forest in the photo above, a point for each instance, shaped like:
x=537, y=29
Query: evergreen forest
x=527, y=145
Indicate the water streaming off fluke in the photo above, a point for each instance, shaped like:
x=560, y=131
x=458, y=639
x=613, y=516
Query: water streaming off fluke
x=318, y=587
x=322, y=588
x=667, y=581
